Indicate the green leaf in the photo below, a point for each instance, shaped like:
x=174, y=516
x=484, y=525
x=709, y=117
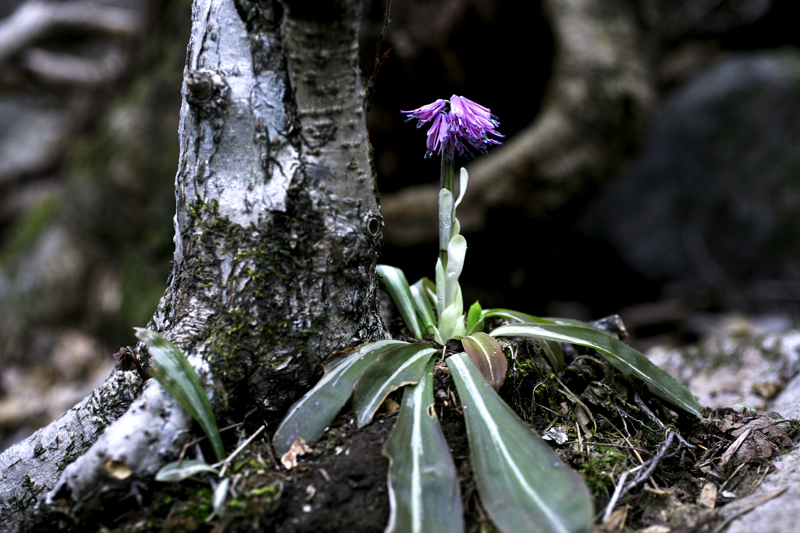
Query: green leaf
x=308, y=418
x=445, y=218
x=620, y=355
x=510, y=314
x=475, y=321
x=437, y=336
x=522, y=483
x=488, y=356
x=398, y=367
x=220, y=493
x=460, y=329
x=449, y=324
x=554, y=354
x=424, y=491
x=458, y=303
x=423, y=306
x=463, y=180
x=176, y=375
x=456, y=253
x=430, y=290
x=395, y=282
x=441, y=304
x=180, y=470
x=552, y=350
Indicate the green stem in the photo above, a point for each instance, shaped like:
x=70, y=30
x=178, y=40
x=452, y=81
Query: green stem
x=447, y=183
x=447, y=174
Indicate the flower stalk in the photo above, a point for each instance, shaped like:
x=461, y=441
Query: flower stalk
x=446, y=208
x=459, y=125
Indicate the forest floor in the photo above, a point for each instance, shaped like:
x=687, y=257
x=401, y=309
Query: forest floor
x=671, y=472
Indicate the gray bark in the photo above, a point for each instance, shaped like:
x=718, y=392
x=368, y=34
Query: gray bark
x=276, y=235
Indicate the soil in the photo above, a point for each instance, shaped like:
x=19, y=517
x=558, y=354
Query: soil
x=602, y=423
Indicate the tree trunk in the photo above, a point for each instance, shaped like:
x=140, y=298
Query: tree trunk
x=276, y=235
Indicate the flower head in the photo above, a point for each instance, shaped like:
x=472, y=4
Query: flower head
x=457, y=124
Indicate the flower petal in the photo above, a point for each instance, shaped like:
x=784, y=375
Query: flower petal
x=458, y=124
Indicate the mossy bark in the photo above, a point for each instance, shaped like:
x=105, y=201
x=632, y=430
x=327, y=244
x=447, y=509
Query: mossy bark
x=277, y=231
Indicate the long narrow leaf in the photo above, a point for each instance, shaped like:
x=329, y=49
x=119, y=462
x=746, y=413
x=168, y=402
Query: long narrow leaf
x=620, y=355
x=399, y=367
x=308, y=418
x=522, y=483
x=180, y=470
x=423, y=306
x=554, y=353
x=176, y=375
x=510, y=314
x=395, y=282
x=430, y=289
x=424, y=491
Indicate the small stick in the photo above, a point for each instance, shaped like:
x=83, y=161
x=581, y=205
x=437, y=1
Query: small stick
x=653, y=463
x=647, y=411
x=625, y=414
x=646, y=471
x=225, y=462
x=638, y=456
x=731, y=476
x=620, y=446
x=614, y=497
x=379, y=59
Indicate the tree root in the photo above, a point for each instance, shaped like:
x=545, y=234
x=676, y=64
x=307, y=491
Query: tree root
x=31, y=468
x=36, y=19
x=136, y=446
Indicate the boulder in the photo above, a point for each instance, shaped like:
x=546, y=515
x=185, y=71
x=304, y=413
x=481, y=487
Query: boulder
x=714, y=197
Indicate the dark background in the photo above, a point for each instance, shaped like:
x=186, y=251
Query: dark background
x=89, y=150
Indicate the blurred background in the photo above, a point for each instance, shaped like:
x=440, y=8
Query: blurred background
x=651, y=167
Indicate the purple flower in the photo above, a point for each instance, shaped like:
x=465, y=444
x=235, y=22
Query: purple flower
x=457, y=124
x=426, y=112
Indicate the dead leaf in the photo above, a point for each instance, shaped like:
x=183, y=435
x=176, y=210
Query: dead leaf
x=391, y=406
x=616, y=522
x=298, y=448
x=117, y=469
x=708, y=497
x=729, y=453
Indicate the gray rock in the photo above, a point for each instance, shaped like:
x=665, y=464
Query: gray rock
x=715, y=196
x=740, y=363
x=781, y=513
